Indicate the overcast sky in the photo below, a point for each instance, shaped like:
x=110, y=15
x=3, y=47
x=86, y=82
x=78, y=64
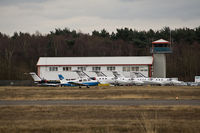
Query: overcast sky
x=88, y=15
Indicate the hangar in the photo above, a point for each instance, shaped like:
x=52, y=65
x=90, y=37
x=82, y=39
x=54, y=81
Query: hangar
x=50, y=67
x=150, y=66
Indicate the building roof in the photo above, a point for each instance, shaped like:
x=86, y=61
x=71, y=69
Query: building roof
x=92, y=61
x=161, y=41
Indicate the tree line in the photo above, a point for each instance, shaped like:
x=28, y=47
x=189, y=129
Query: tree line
x=20, y=52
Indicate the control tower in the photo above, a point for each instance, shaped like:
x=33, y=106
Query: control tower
x=159, y=50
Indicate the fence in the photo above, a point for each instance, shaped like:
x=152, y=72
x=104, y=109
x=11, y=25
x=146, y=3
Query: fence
x=16, y=83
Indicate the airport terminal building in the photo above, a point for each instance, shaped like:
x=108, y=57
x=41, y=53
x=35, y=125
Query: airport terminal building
x=50, y=67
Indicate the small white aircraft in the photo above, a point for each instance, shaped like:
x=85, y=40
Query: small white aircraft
x=103, y=79
x=175, y=81
x=43, y=82
x=146, y=81
x=77, y=82
x=157, y=81
x=122, y=80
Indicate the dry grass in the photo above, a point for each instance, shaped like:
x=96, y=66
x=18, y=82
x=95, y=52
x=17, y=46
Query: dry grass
x=132, y=92
x=100, y=119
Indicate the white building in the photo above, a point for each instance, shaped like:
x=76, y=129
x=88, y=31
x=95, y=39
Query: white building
x=50, y=67
x=197, y=79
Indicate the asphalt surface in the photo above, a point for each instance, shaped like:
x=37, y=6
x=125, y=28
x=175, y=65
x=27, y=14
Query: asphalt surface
x=129, y=102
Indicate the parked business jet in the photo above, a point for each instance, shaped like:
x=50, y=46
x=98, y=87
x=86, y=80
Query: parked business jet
x=103, y=79
x=78, y=82
x=169, y=81
x=43, y=82
x=175, y=81
x=146, y=80
x=122, y=80
x=157, y=81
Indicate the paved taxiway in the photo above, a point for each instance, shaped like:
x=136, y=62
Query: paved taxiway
x=129, y=102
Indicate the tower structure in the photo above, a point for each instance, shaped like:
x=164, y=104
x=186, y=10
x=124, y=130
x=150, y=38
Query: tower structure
x=159, y=50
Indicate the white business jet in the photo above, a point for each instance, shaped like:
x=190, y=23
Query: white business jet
x=43, y=82
x=104, y=79
x=122, y=80
x=157, y=81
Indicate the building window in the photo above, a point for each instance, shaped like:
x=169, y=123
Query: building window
x=126, y=69
x=134, y=68
x=53, y=68
x=81, y=68
x=130, y=68
x=112, y=68
x=143, y=69
x=67, y=68
x=96, y=68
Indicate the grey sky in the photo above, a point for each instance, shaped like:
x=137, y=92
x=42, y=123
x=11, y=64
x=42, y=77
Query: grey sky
x=88, y=15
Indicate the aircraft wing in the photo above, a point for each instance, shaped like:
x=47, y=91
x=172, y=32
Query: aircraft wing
x=78, y=84
x=48, y=84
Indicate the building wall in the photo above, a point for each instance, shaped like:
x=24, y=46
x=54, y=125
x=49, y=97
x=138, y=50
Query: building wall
x=46, y=73
x=159, y=66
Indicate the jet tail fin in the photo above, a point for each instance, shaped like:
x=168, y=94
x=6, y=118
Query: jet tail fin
x=81, y=74
x=35, y=76
x=99, y=74
x=61, y=78
x=116, y=74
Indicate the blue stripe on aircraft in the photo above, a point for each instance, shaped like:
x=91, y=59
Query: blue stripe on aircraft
x=91, y=83
x=85, y=83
